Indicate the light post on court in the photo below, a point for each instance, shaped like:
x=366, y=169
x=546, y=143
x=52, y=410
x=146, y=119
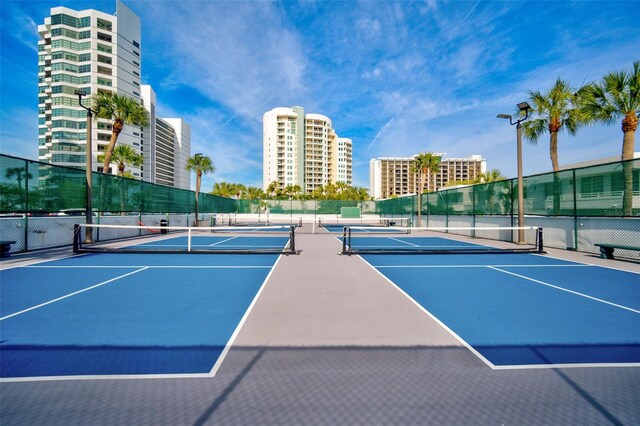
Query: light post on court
x=523, y=107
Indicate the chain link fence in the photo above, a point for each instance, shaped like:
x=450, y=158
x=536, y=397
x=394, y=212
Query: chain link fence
x=577, y=208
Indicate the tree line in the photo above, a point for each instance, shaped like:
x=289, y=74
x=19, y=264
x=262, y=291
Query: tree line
x=330, y=191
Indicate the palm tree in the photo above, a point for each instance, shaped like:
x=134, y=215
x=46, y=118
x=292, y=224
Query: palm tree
x=223, y=189
x=292, y=191
x=254, y=193
x=121, y=110
x=124, y=155
x=425, y=164
x=201, y=164
x=554, y=110
x=274, y=189
x=492, y=175
x=20, y=173
x=618, y=96
x=238, y=190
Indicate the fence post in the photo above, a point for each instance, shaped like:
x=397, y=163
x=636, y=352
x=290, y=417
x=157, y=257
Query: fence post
x=26, y=206
x=575, y=212
x=511, y=197
x=446, y=209
x=473, y=210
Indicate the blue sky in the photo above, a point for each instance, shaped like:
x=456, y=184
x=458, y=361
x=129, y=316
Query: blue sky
x=397, y=77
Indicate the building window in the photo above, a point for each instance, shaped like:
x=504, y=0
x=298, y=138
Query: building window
x=591, y=185
x=104, y=37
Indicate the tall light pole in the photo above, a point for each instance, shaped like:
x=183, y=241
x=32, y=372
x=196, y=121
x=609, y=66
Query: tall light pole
x=89, y=152
x=523, y=107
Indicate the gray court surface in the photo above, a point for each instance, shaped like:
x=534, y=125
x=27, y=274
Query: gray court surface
x=330, y=342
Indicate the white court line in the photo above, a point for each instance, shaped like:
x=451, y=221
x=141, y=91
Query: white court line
x=587, y=263
x=433, y=317
x=151, y=267
x=222, y=241
x=405, y=242
x=567, y=290
x=480, y=266
x=227, y=347
x=70, y=294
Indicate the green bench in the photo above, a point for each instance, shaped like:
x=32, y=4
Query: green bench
x=5, y=248
x=606, y=250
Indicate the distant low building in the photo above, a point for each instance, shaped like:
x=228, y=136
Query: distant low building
x=596, y=162
x=393, y=176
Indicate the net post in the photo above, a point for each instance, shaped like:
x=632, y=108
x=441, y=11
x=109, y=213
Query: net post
x=292, y=244
x=344, y=240
x=540, y=245
x=76, y=238
x=189, y=239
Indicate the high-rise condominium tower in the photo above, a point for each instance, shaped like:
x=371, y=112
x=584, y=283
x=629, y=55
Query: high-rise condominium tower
x=303, y=150
x=94, y=52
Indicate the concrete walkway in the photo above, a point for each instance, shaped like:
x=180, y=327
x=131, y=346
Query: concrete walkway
x=320, y=298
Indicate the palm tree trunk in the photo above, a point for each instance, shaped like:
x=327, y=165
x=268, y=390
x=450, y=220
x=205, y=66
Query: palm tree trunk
x=627, y=169
x=116, y=129
x=115, y=132
x=419, y=199
x=198, y=182
x=553, y=153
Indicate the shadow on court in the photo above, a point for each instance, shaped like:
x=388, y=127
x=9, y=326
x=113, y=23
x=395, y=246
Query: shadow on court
x=338, y=385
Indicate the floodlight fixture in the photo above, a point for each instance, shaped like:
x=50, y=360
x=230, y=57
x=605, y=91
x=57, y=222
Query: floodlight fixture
x=523, y=106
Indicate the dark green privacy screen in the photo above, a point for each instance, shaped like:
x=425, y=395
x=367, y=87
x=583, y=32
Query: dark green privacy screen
x=608, y=190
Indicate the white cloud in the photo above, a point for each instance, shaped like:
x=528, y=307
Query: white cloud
x=237, y=53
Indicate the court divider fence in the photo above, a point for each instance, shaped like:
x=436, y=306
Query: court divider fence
x=577, y=207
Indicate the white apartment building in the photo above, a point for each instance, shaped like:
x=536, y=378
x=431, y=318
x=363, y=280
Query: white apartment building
x=94, y=52
x=166, y=146
x=342, y=168
x=394, y=176
x=303, y=150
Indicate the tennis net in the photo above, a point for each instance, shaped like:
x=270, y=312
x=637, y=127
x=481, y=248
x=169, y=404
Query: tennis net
x=363, y=222
x=183, y=239
x=443, y=240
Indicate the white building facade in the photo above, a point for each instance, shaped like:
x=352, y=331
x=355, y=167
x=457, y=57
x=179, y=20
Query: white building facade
x=94, y=52
x=166, y=146
x=303, y=150
x=394, y=176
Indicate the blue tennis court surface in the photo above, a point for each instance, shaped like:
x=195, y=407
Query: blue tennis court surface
x=525, y=309
x=125, y=314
